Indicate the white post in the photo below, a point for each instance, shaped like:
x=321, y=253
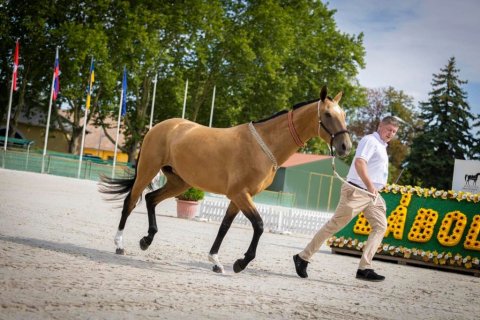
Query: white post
x=213, y=104
x=5, y=142
x=83, y=142
x=153, y=100
x=185, y=100
x=48, y=118
x=90, y=84
x=118, y=133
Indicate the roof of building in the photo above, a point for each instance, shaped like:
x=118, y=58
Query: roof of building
x=301, y=158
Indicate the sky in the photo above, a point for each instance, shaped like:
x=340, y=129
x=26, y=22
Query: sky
x=408, y=41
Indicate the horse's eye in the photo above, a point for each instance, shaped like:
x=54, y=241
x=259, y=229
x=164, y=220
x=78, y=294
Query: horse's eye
x=328, y=114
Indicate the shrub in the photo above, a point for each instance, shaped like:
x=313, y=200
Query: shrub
x=192, y=194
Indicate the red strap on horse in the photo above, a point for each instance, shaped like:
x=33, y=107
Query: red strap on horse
x=293, y=131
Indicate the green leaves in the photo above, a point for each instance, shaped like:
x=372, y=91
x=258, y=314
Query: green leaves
x=262, y=56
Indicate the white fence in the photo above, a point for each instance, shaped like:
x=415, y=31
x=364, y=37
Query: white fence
x=275, y=218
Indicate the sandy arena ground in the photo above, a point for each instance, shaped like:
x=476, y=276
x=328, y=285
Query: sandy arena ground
x=57, y=261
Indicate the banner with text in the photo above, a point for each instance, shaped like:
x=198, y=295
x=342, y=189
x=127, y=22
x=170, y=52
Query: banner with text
x=428, y=225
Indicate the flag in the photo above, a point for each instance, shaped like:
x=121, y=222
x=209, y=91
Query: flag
x=15, y=66
x=56, y=77
x=90, y=84
x=124, y=92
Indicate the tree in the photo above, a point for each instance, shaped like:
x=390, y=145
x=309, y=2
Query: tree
x=446, y=133
x=262, y=56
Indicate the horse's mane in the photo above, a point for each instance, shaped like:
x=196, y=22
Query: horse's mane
x=279, y=113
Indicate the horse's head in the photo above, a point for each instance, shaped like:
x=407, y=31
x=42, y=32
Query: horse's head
x=331, y=124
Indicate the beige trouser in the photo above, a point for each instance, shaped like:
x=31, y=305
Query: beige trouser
x=352, y=202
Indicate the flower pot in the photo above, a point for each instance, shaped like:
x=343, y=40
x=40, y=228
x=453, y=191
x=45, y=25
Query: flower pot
x=186, y=209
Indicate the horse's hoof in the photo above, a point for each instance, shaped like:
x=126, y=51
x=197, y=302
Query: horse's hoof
x=120, y=251
x=238, y=266
x=218, y=269
x=143, y=244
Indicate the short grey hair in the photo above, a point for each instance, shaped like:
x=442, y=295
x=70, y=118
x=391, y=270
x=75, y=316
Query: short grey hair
x=394, y=121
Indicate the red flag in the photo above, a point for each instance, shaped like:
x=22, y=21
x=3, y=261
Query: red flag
x=15, y=66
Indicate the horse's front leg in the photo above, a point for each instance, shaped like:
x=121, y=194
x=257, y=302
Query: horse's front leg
x=248, y=208
x=230, y=215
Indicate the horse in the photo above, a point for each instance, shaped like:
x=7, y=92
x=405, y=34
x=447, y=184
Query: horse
x=472, y=177
x=238, y=162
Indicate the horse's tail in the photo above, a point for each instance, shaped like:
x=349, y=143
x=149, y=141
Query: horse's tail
x=117, y=187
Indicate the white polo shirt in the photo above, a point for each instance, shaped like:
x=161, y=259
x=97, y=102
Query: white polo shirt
x=373, y=150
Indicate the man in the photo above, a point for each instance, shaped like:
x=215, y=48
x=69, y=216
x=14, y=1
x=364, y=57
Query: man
x=367, y=175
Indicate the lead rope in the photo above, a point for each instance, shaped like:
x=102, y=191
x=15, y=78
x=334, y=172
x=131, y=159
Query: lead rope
x=263, y=145
x=335, y=173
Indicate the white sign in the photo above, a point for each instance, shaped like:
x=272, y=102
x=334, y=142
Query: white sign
x=466, y=176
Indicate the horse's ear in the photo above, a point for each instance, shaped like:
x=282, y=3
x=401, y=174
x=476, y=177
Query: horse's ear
x=323, y=93
x=338, y=97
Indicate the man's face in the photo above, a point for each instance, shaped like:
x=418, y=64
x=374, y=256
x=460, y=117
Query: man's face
x=387, y=131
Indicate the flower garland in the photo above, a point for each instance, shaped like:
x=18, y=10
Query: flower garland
x=435, y=257
x=432, y=192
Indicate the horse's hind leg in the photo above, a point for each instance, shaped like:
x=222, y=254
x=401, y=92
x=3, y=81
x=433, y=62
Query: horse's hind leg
x=232, y=212
x=245, y=203
x=174, y=186
x=128, y=205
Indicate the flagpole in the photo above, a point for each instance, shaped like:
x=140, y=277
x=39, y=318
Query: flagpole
x=153, y=100
x=8, y=125
x=48, y=117
x=118, y=132
x=15, y=68
x=213, y=104
x=185, y=100
x=85, y=121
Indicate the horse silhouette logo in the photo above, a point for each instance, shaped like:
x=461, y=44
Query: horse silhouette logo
x=471, y=177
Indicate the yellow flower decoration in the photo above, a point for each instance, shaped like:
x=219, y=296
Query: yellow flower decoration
x=472, y=242
x=422, y=228
x=454, y=238
x=362, y=226
x=396, y=220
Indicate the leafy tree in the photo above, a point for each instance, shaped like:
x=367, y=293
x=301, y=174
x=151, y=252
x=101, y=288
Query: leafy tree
x=446, y=133
x=262, y=56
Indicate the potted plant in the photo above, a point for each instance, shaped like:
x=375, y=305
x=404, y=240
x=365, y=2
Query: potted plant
x=187, y=203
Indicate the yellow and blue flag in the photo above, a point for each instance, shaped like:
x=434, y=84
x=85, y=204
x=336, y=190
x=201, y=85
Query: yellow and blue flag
x=90, y=85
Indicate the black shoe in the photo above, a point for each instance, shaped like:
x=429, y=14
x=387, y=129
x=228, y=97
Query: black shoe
x=369, y=275
x=300, y=266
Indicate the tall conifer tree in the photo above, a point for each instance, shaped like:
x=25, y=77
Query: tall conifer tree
x=446, y=134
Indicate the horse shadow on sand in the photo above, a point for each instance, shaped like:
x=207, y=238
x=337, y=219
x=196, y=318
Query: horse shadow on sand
x=88, y=253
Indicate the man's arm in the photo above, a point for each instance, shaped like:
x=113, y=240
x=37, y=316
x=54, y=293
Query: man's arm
x=361, y=167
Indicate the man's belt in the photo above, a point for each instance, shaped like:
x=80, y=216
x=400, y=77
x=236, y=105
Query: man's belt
x=356, y=185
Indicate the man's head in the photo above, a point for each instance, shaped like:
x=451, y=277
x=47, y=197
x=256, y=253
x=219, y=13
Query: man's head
x=388, y=127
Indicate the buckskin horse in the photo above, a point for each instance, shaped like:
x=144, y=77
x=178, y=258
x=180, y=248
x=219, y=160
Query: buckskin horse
x=238, y=162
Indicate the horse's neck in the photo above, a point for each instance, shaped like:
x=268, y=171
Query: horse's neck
x=276, y=133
